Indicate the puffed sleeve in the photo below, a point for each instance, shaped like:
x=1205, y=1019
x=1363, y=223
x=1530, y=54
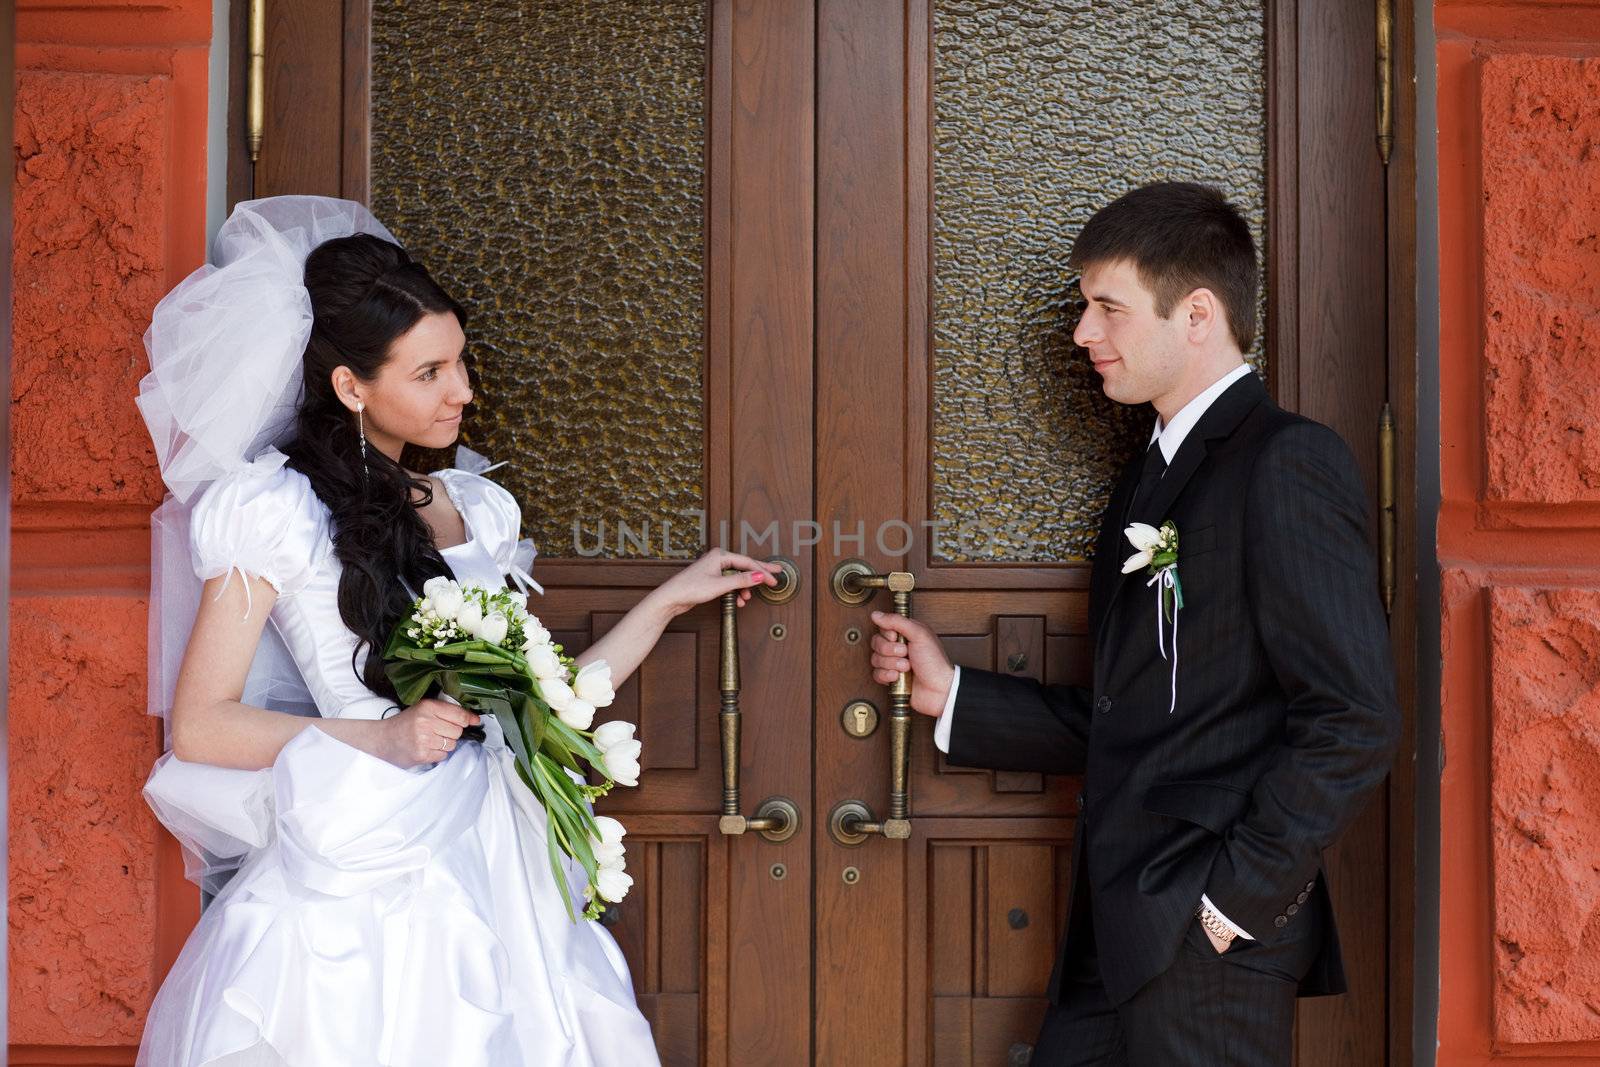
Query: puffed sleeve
x=262, y=521
x=494, y=517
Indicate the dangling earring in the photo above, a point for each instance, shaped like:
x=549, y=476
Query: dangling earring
x=362, y=430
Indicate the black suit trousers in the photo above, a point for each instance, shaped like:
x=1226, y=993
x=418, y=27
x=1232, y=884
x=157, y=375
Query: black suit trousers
x=1206, y=1010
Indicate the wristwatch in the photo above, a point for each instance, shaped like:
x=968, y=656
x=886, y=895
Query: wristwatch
x=1214, y=924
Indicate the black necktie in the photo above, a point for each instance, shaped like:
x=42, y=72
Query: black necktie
x=1155, y=465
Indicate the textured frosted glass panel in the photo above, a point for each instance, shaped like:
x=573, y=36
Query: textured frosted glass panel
x=1044, y=111
x=544, y=160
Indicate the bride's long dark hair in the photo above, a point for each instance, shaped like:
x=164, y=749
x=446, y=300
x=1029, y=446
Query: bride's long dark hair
x=365, y=293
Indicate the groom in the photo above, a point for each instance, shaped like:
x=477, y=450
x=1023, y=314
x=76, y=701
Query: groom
x=1218, y=764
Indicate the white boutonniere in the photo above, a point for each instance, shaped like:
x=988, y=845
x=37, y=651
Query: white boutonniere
x=1156, y=552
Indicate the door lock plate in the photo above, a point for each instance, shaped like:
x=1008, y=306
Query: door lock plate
x=859, y=718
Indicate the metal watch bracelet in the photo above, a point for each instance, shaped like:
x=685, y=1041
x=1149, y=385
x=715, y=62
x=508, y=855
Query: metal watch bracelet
x=1214, y=924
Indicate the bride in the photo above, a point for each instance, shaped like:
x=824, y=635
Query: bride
x=391, y=899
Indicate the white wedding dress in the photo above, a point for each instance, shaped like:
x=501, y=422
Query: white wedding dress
x=379, y=917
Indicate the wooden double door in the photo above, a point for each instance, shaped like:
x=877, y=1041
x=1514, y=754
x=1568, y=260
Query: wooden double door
x=863, y=353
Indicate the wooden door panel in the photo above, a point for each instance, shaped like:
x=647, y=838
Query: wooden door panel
x=759, y=307
x=718, y=942
x=1341, y=378
x=661, y=928
x=1010, y=616
x=672, y=698
x=983, y=918
x=673, y=929
x=1050, y=646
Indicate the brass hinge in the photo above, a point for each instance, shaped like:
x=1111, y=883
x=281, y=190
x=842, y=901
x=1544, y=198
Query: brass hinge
x=1385, y=72
x=1386, y=506
x=256, y=86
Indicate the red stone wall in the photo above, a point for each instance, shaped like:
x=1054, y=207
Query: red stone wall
x=1519, y=531
x=110, y=129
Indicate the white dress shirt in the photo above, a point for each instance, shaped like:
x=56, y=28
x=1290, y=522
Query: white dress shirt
x=1171, y=438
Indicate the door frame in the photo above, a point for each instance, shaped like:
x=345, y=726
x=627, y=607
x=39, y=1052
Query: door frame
x=348, y=21
x=1405, y=634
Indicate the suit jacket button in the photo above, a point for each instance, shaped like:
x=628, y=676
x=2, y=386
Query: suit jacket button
x=1280, y=921
x=1301, y=899
x=1311, y=885
x=1103, y=705
x=1081, y=799
x=1291, y=909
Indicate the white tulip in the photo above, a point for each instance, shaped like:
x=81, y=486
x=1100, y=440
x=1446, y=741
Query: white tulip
x=611, y=831
x=1138, y=561
x=432, y=586
x=624, y=750
x=593, y=684
x=1145, y=539
x=622, y=771
x=1142, y=536
x=533, y=634
x=613, y=884
x=612, y=733
x=470, y=617
x=544, y=663
x=556, y=693
x=447, y=600
x=610, y=857
x=494, y=628
x=621, y=763
x=578, y=714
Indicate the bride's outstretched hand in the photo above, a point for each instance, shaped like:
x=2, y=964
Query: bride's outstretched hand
x=704, y=580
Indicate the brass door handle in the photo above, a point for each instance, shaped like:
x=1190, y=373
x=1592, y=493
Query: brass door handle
x=854, y=582
x=777, y=818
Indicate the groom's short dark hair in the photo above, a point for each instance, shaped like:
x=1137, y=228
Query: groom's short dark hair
x=1180, y=236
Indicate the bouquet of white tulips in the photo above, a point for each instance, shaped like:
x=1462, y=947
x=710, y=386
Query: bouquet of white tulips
x=483, y=650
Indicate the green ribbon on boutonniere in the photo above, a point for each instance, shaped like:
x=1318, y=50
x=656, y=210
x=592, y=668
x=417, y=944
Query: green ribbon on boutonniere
x=1156, y=552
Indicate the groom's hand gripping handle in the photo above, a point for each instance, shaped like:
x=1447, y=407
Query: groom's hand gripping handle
x=904, y=645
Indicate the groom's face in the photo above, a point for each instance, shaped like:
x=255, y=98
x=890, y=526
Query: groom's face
x=1138, y=354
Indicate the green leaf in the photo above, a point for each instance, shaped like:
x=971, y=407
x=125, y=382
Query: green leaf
x=411, y=680
x=457, y=648
x=572, y=790
x=514, y=740
x=536, y=720
x=578, y=745
x=412, y=652
x=490, y=654
x=577, y=834
x=555, y=867
x=555, y=745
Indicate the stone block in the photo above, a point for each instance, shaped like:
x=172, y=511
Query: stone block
x=1541, y=264
x=1545, y=808
x=83, y=842
x=89, y=264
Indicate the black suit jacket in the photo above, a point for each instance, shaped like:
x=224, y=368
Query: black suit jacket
x=1286, y=714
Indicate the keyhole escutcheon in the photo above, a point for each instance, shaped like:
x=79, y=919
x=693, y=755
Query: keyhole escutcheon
x=860, y=718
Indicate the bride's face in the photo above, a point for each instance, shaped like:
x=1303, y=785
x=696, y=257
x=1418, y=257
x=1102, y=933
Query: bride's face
x=419, y=395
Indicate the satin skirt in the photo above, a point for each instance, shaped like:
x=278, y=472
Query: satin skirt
x=394, y=918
